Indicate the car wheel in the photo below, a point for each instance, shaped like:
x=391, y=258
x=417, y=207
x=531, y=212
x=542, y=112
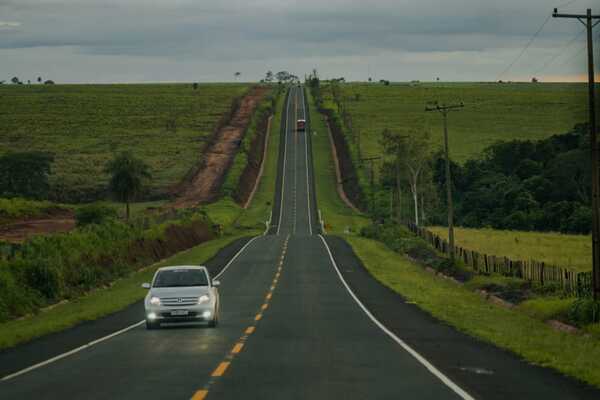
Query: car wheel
x=152, y=325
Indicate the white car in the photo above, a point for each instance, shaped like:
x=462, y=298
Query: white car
x=181, y=294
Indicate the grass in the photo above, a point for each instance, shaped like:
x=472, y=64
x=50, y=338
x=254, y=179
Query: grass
x=492, y=112
x=84, y=125
x=260, y=208
x=14, y=209
x=567, y=251
x=100, y=302
x=520, y=333
x=337, y=215
x=236, y=222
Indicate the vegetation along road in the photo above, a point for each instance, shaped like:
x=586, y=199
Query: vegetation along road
x=301, y=318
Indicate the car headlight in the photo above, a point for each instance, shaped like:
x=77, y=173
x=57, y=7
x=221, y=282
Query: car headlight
x=203, y=299
x=155, y=301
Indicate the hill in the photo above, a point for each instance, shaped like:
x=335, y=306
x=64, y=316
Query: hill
x=84, y=125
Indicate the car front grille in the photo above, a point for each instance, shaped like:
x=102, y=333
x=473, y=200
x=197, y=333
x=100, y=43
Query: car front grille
x=178, y=301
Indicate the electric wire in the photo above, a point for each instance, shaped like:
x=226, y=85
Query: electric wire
x=559, y=53
x=529, y=43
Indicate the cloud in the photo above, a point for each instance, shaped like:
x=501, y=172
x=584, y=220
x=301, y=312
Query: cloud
x=214, y=34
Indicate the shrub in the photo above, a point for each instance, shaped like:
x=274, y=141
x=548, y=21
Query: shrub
x=96, y=213
x=584, y=311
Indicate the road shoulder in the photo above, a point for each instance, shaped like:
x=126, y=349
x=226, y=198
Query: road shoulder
x=481, y=368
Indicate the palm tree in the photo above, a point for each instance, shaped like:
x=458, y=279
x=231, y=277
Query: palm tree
x=128, y=175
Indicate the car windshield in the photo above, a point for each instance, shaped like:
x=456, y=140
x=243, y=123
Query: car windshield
x=181, y=277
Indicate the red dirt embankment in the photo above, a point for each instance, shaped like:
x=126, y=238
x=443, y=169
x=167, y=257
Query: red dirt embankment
x=206, y=183
x=20, y=230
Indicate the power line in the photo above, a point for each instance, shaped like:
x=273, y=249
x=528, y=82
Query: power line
x=531, y=40
x=560, y=52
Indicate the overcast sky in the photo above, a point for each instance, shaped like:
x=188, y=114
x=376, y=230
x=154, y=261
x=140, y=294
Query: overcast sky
x=201, y=40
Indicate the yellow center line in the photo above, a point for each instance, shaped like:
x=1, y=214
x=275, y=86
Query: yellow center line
x=237, y=348
x=258, y=317
x=269, y=295
x=250, y=330
x=273, y=287
x=200, y=395
x=221, y=369
x=264, y=306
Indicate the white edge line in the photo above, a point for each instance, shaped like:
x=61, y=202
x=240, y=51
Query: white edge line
x=112, y=335
x=235, y=257
x=71, y=352
x=307, y=171
x=437, y=373
x=287, y=112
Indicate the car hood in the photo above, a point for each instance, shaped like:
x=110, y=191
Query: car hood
x=192, y=291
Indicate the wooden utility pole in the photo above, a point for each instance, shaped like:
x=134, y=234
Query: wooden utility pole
x=371, y=170
x=587, y=19
x=444, y=109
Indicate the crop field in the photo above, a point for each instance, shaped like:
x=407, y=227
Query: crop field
x=84, y=125
x=568, y=251
x=492, y=112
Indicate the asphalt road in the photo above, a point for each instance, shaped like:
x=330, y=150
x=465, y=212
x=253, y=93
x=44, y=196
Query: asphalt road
x=301, y=318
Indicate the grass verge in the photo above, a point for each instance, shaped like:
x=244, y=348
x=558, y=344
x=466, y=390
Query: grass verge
x=337, y=215
x=520, y=333
x=100, y=302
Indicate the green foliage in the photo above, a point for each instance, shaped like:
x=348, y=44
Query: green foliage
x=524, y=185
x=15, y=208
x=50, y=268
x=25, y=174
x=584, y=311
x=84, y=125
x=96, y=213
x=128, y=175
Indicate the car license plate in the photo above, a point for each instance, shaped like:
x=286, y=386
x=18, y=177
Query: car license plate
x=178, y=313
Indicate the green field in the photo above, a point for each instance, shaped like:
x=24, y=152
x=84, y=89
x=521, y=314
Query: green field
x=84, y=125
x=492, y=112
x=567, y=251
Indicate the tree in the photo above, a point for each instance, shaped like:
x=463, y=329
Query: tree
x=39, y=79
x=15, y=80
x=237, y=75
x=282, y=76
x=128, y=176
x=269, y=76
x=412, y=156
x=49, y=82
x=195, y=85
x=25, y=174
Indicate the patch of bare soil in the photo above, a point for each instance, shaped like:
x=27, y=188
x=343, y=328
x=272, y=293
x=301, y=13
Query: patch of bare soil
x=21, y=230
x=207, y=182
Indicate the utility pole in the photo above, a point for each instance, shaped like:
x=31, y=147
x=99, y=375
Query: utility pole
x=587, y=19
x=444, y=109
x=371, y=160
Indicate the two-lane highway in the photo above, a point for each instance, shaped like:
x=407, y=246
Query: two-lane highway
x=301, y=318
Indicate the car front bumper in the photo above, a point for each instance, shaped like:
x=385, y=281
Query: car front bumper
x=196, y=313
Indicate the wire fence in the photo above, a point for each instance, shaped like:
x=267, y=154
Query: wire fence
x=572, y=283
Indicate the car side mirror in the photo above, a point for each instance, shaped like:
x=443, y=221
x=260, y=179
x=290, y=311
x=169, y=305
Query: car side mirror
x=146, y=285
x=216, y=283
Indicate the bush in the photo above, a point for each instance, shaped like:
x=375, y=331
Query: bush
x=94, y=214
x=47, y=269
x=585, y=311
